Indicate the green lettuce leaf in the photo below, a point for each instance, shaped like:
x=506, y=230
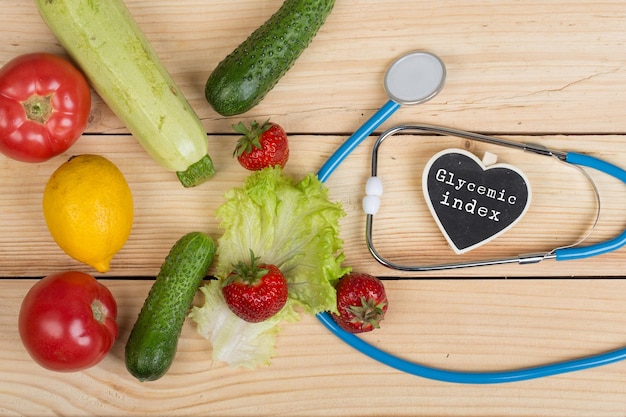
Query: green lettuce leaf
x=235, y=341
x=292, y=225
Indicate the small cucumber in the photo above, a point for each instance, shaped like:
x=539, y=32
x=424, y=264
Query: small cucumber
x=124, y=69
x=152, y=343
x=245, y=76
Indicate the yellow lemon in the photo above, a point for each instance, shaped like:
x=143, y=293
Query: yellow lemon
x=88, y=208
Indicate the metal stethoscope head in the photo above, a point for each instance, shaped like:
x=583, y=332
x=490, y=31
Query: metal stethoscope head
x=413, y=78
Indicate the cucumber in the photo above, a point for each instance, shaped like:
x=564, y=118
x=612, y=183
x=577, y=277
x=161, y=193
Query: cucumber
x=152, y=343
x=123, y=68
x=244, y=77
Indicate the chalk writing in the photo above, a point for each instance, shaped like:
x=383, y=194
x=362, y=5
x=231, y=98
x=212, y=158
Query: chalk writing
x=473, y=203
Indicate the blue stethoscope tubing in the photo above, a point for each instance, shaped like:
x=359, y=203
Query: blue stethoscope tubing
x=461, y=377
x=495, y=377
x=603, y=247
x=355, y=140
x=423, y=70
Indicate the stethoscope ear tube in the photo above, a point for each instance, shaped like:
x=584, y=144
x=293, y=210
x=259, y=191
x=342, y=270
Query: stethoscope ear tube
x=560, y=254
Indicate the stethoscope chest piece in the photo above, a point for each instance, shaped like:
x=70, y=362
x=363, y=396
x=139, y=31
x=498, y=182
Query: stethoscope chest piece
x=414, y=78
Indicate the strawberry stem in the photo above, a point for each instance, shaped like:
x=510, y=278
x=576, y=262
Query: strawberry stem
x=251, y=137
x=368, y=312
x=249, y=273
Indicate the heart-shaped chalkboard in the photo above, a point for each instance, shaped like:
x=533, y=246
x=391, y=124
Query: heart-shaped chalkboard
x=473, y=203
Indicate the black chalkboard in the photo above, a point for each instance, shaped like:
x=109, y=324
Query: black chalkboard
x=471, y=203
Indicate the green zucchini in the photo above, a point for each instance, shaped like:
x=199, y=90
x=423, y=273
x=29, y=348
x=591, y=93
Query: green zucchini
x=152, y=343
x=245, y=76
x=123, y=68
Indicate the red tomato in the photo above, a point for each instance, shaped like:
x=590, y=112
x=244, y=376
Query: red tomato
x=44, y=106
x=67, y=321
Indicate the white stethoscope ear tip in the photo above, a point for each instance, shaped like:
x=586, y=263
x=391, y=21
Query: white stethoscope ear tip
x=373, y=191
x=374, y=186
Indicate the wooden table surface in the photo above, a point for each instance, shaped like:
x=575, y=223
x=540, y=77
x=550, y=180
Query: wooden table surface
x=551, y=72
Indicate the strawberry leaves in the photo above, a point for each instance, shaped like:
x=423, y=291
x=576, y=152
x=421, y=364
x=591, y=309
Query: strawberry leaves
x=361, y=303
x=261, y=145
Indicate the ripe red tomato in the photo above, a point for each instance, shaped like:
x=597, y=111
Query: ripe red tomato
x=67, y=321
x=44, y=106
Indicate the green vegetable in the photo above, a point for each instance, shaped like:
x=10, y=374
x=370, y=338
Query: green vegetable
x=152, y=343
x=245, y=76
x=236, y=341
x=123, y=68
x=291, y=225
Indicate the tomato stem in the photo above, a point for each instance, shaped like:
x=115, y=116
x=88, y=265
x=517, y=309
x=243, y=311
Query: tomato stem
x=38, y=108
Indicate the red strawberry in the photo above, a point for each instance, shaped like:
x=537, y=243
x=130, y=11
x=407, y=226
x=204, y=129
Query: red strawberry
x=255, y=292
x=361, y=302
x=261, y=146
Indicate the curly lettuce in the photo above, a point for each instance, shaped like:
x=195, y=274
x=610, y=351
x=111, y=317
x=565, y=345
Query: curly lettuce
x=290, y=224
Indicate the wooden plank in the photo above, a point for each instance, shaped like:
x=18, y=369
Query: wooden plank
x=545, y=72
x=562, y=210
x=459, y=325
x=526, y=66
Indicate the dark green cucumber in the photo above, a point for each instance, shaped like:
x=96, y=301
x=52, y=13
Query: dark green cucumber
x=152, y=343
x=245, y=76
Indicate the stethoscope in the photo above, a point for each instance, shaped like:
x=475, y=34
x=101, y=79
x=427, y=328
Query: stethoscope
x=415, y=78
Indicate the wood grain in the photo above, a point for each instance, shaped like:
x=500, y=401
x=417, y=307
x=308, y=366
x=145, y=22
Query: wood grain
x=476, y=325
x=531, y=71
x=562, y=211
x=527, y=66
